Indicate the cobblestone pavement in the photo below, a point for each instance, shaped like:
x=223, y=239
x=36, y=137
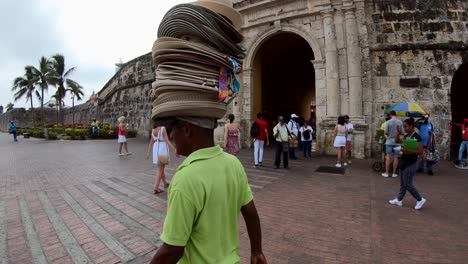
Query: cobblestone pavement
x=78, y=202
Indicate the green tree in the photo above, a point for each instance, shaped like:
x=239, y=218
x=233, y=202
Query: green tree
x=9, y=107
x=76, y=91
x=24, y=87
x=43, y=76
x=60, y=79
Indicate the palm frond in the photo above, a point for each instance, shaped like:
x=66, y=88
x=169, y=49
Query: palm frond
x=70, y=71
x=38, y=95
x=20, y=93
x=58, y=64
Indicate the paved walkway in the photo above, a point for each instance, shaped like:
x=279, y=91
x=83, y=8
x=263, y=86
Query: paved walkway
x=78, y=202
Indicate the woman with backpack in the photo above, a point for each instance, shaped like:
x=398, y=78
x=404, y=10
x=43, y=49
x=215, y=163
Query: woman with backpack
x=306, y=138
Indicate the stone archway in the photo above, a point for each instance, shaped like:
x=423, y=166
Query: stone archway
x=253, y=97
x=458, y=95
x=284, y=82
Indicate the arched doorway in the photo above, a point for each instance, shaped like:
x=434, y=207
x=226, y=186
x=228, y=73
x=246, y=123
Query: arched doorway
x=284, y=78
x=458, y=97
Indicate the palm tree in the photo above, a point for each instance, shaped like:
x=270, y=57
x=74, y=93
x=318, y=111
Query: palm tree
x=24, y=86
x=44, y=76
x=61, y=78
x=76, y=91
x=9, y=107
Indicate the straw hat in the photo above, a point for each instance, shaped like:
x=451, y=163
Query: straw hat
x=223, y=7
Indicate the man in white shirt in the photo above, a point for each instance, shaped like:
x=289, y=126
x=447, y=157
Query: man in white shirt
x=294, y=128
x=349, y=138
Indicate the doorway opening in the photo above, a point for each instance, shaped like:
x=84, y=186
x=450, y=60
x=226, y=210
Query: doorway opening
x=458, y=98
x=284, y=79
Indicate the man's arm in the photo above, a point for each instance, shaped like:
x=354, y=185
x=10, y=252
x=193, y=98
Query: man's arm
x=168, y=254
x=252, y=221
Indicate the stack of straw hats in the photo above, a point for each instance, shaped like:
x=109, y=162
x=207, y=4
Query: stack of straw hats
x=197, y=57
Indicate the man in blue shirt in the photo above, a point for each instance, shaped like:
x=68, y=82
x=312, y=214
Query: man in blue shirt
x=13, y=130
x=426, y=131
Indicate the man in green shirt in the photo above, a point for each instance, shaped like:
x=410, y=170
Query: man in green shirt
x=205, y=197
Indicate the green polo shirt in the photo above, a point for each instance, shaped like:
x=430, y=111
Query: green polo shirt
x=204, y=202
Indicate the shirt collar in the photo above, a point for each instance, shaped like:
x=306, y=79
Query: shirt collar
x=201, y=154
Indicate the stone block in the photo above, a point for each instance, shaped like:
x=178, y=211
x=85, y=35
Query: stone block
x=390, y=82
x=394, y=69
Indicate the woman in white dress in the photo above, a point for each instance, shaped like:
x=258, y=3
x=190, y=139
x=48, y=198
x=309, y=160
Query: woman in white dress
x=339, y=140
x=160, y=145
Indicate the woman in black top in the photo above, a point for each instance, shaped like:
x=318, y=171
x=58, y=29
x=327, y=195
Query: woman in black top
x=409, y=166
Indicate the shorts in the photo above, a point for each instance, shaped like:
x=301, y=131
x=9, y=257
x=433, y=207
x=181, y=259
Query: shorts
x=340, y=142
x=390, y=151
x=122, y=139
x=348, y=145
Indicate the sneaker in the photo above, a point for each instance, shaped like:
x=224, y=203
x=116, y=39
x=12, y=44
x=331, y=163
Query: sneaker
x=338, y=165
x=394, y=175
x=385, y=175
x=420, y=204
x=345, y=164
x=128, y=153
x=121, y=154
x=255, y=166
x=350, y=162
x=396, y=202
x=261, y=164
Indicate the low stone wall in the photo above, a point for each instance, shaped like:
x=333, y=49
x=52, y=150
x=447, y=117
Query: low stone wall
x=23, y=117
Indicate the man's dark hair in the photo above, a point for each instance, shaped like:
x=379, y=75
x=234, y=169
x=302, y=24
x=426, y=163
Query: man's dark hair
x=346, y=116
x=259, y=115
x=409, y=121
x=231, y=118
x=392, y=113
x=341, y=120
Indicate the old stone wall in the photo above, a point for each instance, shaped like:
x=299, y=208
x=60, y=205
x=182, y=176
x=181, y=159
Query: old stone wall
x=127, y=93
x=23, y=117
x=415, y=48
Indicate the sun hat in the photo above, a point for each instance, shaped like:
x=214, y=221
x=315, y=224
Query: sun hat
x=196, y=56
x=199, y=23
x=223, y=7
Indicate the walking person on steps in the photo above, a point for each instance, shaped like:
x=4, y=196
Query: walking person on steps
x=408, y=167
x=232, y=136
x=294, y=128
x=281, y=133
x=160, y=145
x=259, y=134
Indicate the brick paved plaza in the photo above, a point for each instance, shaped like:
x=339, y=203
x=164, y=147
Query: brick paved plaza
x=78, y=202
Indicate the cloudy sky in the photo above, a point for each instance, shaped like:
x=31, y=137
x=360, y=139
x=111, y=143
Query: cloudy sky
x=92, y=35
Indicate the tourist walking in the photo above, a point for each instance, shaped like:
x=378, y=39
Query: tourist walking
x=12, y=130
x=259, y=134
x=464, y=143
x=349, y=138
x=161, y=147
x=294, y=128
x=339, y=141
x=121, y=136
x=232, y=136
x=426, y=131
x=282, y=134
x=306, y=138
x=409, y=166
x=393, y=131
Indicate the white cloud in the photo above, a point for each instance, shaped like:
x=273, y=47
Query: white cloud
x=92, y=34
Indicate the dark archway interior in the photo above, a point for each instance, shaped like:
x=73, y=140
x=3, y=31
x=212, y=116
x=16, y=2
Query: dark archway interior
x=285, y=77
x=458, y=100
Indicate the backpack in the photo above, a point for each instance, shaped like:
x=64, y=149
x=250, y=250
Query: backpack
x=254, y=130
x=306, y=134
